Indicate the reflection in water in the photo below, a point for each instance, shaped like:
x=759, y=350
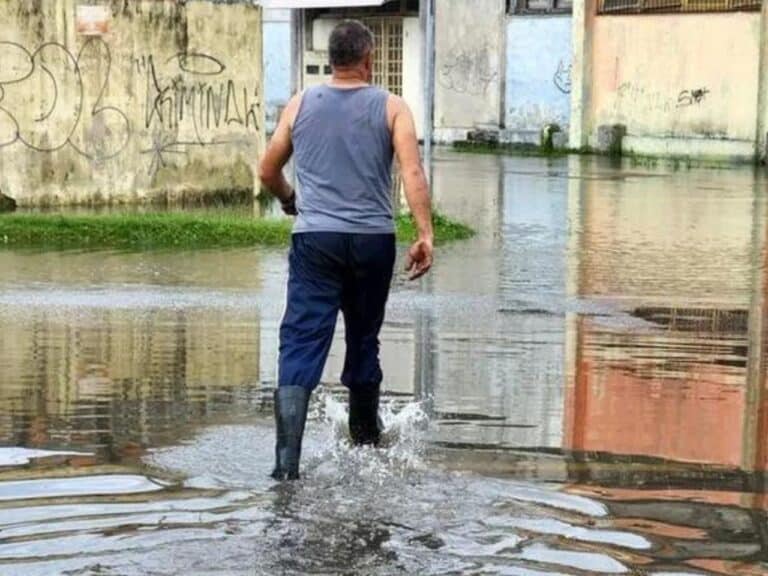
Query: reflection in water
x=603, y=336
x=106, y=380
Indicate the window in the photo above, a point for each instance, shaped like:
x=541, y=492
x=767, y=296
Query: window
x=539, y=6
x=388, y=53
x=644, y=6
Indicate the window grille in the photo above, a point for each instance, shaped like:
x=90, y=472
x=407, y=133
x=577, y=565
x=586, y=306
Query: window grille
x=651, y=6
x=539, y=6
x=388, y=53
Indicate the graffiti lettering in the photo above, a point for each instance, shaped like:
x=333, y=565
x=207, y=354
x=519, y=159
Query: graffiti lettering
x=562, y=77
x=642, y=100
x=107, y=129
x=52, y=99
x=200, y=64
x=195, y=94
x=691, y=97
x=208, y=104
x=469, y=70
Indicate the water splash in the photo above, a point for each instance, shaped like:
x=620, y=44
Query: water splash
x=400, y=453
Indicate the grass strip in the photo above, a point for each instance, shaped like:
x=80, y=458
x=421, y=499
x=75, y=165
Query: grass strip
x=169, y=230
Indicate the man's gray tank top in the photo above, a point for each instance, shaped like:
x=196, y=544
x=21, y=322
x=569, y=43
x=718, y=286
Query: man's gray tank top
x=343, y=156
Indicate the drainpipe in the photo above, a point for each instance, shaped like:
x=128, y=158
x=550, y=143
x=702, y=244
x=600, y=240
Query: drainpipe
x=427, y=16
x=297, y=49
x=762, y=91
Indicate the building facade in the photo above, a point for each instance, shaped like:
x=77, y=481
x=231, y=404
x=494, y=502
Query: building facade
x=665, y=77
x=678, y=77
x=500, y=65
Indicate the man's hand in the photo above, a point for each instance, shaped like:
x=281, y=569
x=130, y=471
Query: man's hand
x=419, y=259
x=289, y=205
x=406, y=145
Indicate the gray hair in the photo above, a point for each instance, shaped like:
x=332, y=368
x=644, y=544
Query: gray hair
x=350, y=42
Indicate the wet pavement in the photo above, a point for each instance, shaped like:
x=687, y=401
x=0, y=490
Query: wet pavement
x=580, y=389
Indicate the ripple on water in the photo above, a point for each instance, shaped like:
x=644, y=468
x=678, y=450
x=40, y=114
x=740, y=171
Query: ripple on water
x=386, y=511
x=104, y=485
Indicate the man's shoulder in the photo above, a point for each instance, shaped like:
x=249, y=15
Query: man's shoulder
x=291, y=110
x=396, y=105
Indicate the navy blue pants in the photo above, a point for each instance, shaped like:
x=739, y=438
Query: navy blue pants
x=329, y=272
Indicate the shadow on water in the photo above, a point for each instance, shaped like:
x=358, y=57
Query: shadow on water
x=591, y=365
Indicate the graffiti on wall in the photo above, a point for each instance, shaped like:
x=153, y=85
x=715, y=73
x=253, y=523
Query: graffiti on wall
x=52, y=99
x=562, y=77
x=46, y=95
x=646, y=100
x=469, y=70
x=691, y=97
x=188, y=100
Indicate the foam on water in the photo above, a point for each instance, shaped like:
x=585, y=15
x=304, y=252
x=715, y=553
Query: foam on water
x=556, y=527
x=400, y=452
x=19, y=456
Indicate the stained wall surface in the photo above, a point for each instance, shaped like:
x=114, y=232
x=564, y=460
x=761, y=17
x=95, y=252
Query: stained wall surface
x=164, y=103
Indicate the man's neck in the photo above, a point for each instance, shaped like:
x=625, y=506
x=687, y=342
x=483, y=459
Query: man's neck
x=348, y=78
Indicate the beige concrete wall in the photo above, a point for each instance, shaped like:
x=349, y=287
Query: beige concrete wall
x=166, y=105
x=681, y=84
x=469, y=48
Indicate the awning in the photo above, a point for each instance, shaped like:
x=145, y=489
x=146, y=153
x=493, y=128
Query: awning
x=320, y=3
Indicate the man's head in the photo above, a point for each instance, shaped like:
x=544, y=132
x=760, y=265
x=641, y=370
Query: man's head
x=351, y=47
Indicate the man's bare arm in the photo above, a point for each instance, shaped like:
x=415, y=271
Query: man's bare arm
x=406, y=146
x=277, y=155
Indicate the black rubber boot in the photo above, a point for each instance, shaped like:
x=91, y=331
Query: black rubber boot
x=291, y=403
x=364, y=423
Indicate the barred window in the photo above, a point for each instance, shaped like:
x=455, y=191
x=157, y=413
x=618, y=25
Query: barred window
x=388, y=53
x=539, y=6
x=644, y=6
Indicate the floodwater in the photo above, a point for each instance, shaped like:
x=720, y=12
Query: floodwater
x=580, y=389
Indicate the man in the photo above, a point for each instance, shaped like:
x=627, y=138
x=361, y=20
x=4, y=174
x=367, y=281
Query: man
x=343, y=136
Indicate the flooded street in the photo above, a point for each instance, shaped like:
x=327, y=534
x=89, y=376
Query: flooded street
x=579, y=389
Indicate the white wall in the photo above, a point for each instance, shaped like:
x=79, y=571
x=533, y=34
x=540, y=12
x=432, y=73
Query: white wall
x=321, y=32
x=469, y=41
x=413, y=58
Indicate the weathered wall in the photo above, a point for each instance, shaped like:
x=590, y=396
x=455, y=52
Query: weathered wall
x=538, y=82
x=277, y=63
x=469, y=43
x=168, y=105
x=680, y=84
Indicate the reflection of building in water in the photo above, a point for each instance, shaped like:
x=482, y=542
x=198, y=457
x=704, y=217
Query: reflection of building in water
x=99, y=379
x=659, y=394
x=682, y=377
x=497, y=362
